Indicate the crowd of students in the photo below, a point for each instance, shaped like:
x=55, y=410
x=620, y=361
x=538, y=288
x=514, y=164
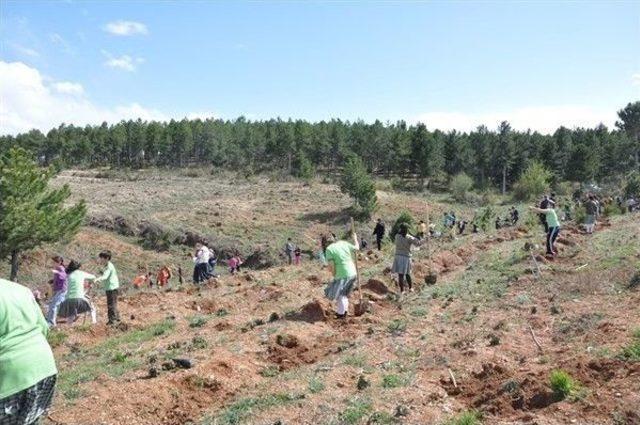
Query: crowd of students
x=27, y=367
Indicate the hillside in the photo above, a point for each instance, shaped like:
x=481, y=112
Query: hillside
x=267, y=350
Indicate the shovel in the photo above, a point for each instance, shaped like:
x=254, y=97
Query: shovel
x=360, y=307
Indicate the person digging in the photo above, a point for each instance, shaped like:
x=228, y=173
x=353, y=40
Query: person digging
x=342, y=264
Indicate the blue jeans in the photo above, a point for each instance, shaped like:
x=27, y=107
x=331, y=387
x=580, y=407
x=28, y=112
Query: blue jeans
x=55, y=302
x=552, y=235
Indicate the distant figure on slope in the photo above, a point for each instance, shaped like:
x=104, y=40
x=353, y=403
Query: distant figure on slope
x=76, y=301
x=591, y=208
x=201, y=259
x=341, y=263
x=422, y=230
x=111, y=284
x=402, y=259
x=297, y=254
x=234, y=263
x=553, y=227
x=163, y=276
x=288, y=250
x=27, y=367
x=462, y=225
x=379, y=232
x=515, y=216
x=59, y=287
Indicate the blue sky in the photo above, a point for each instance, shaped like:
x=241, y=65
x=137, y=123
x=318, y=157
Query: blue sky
x=449, y=64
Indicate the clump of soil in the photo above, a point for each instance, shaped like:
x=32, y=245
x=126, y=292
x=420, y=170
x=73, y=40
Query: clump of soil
x=287, y=340
x=315, y=311
x=376, y=286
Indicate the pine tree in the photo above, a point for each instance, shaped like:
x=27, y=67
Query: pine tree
x=357, y=183
x=30, y=212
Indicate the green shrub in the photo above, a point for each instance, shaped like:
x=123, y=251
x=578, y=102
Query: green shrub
x=459, y=186
x=562, y=384
x=406, y=218
x=533, y=182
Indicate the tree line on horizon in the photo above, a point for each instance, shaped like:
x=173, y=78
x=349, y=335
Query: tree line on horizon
x=491, y=157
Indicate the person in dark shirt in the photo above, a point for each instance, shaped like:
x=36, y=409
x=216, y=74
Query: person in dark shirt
x=379, y=232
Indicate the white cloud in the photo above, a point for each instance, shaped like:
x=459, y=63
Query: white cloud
x=126, y=28
x=124, y=62
x=67, y=87
x=26, y=51
x=30, y=101
x=635, y=79
x=544, y=119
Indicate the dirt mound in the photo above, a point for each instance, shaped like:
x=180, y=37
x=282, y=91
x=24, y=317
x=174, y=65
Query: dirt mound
x=376, y=286
x=447, y=261
x=117, y=224
x=494, y=390
x=315, y=311
x=259, y=259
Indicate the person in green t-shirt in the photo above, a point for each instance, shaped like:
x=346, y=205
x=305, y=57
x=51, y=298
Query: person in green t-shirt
x=340, y=260
x=111, y=284
x=27, y=367
x=552, y=225
x=76, y=301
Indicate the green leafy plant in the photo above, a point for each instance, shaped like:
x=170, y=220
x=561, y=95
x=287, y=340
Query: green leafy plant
x=460, y=185
x=562, y=384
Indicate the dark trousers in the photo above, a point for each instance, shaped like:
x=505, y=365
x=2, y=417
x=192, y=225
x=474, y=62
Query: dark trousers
x=379, y=243
x=552, y=235
x=401, y=278
x=112, y=306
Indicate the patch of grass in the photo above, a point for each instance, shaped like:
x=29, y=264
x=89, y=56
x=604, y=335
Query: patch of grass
x=632, y=351
x=465, y=418
x=356, y=411
x=382, y=418
x=316, y=385
x=562, y=384
x=240, y=411
x=397, y=326
x=199, y=343
x=56, y=338
x=355, y=360
x=221, y=313
x=419, y=312
x=106, y=358
x=395, y=381
x=269, y=372
x=197, y=321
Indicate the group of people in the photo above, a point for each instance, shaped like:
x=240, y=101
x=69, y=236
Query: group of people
x=70, y=285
